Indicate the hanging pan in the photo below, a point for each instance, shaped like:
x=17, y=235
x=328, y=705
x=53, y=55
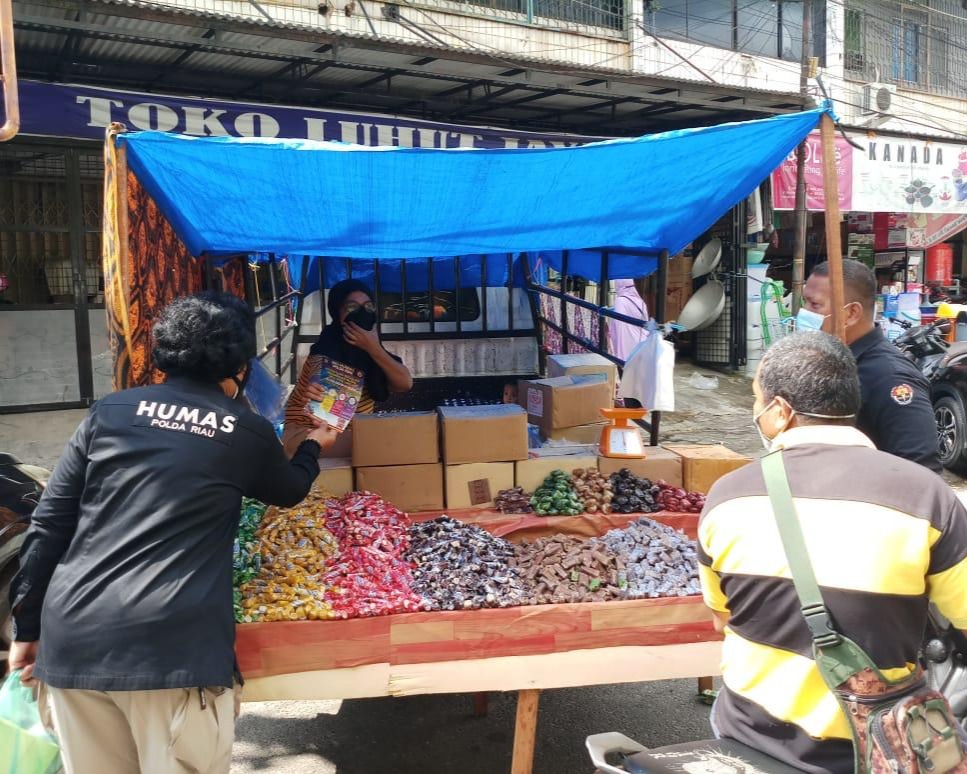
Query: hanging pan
x=704, y=307
x=708, y=258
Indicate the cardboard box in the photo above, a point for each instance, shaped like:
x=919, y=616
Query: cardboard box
x=336, y=475
x=702, y=466
x=582, y=434
x=342, y=448
x=565, y=401
x=483, y=433
x=400, y=438
x=660, y=465
x=476, y=485
x=582, y=365
x=566, y=449
x=410, y=488
x=530, y=474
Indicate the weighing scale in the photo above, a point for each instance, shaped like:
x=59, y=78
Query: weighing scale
x=621, y=439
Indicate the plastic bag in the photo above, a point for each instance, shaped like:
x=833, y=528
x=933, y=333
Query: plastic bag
x=700, y=382
x=265, y=395
x=25, y=745
x=649, y=374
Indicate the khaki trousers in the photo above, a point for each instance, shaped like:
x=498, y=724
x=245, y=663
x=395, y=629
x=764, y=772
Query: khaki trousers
x=164, y=731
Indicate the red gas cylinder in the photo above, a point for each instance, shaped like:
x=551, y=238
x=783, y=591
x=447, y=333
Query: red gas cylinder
x=940, y=265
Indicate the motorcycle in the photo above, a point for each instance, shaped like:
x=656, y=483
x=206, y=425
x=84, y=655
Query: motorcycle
x=614, y=753
x=945, y=367
x=944, y=656
x=20, y=489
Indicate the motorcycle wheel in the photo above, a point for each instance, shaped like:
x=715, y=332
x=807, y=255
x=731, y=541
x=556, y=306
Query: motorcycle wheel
x=951, y=420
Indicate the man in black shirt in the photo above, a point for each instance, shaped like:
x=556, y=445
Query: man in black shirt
x=123, y=604
x=896, y=412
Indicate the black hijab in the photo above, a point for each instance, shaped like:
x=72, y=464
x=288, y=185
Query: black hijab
x=331, y=343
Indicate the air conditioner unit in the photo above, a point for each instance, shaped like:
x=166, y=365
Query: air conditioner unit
x=878, y=98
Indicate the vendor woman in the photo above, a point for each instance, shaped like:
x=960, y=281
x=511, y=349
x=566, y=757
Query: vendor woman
x=351, y=337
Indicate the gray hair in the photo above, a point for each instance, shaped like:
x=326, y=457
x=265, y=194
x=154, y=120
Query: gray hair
x=813, y=372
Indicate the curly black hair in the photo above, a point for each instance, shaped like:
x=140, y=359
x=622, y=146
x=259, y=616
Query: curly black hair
x=206, y=337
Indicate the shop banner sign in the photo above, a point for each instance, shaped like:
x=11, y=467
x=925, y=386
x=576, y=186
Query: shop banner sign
x=65, y=110
x=895, y=174
x=915, y=229
x=784, y=178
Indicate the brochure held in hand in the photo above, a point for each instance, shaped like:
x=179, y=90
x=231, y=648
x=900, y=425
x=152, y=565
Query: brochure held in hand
x=343, y=385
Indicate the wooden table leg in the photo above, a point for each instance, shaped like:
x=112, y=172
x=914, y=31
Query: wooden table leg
x=481, y=703
x=525, y=731
x=705, y=684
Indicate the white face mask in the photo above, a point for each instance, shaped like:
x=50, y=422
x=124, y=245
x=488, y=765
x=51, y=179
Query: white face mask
x=808, y=320
x=767, y=443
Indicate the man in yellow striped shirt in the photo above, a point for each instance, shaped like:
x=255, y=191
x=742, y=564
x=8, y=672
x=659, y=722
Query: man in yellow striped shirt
x=885, y=537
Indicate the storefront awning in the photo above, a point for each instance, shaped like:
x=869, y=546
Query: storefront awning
x=230, y=195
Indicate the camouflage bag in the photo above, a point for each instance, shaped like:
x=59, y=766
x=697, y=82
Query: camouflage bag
x=897, y=725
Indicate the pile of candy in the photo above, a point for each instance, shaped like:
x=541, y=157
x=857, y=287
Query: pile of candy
x=295, y=548
x=372, y=575
x=514, y=500
x=594, y=490
x=673, y=498
x=556, y=496
x=633, y=494
x=246, y=558
x=654, y=560
x=460, y=566
x=359, y=556
x=567, y=569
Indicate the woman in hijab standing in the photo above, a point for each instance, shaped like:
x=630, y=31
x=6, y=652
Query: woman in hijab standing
x=622, y=336
x=351, y=337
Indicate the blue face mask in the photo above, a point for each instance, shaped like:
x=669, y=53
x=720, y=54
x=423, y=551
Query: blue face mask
x=807, y=320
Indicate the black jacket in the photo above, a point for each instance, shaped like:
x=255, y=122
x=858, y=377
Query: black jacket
x=126, y=570
x=896, y=414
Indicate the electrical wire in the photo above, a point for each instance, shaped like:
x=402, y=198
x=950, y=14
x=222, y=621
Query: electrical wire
x=794, y=69
x=727, y=54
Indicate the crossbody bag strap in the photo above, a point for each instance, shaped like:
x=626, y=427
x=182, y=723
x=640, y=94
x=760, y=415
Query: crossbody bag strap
x=814, y=609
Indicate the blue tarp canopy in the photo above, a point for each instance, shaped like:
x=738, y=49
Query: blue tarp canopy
x=227, y=195
x=493, y=271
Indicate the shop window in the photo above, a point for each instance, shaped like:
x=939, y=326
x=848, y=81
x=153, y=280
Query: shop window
x=853, y=42
x=762, y=27
x=910, y=43
x=419, y=308
x=609, y=14
x=703, y=21
x=910, y=46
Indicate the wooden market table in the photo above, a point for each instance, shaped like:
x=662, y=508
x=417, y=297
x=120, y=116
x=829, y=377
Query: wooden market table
x=524, y=649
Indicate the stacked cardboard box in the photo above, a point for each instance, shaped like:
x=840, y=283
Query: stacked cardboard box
x=702, y=466
x=679, y=289
x=562, y=402
x=660, y=465
x=398, y=457
x=582, y=364
x=530, y=474
x=480, y=446
x=336, y=475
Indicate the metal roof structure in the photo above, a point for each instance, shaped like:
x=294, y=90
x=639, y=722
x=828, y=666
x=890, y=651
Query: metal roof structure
x=149, y=46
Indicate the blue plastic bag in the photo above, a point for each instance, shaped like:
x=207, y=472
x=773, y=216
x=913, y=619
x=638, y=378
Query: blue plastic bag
x=25, y=745
x=265, y=395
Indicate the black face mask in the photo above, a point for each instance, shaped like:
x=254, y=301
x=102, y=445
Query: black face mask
x=240, y=383
x=364, y=318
